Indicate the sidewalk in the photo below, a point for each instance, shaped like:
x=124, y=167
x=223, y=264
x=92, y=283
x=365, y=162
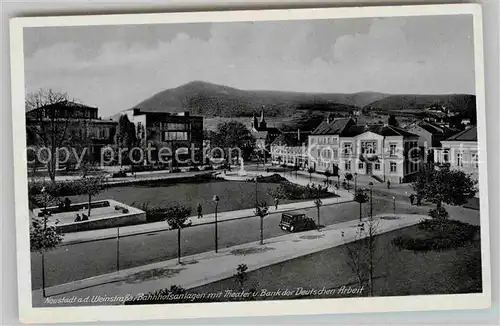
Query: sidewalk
x=208, y=267
x=207, y=219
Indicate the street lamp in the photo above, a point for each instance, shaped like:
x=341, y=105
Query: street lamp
x=394, y=204
x=355, y=181
x=371, y=199
x=216, y=201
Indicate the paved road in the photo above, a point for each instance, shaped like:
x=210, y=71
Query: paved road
x=77, y=261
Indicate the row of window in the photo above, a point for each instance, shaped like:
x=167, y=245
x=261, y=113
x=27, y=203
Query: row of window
x=175, y=135
x=376, y=166
x=459, y=158
x=172, y=126
x=324, y=140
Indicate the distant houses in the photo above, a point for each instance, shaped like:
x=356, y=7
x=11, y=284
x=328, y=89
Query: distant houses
x=263, y=134
x=290, y=149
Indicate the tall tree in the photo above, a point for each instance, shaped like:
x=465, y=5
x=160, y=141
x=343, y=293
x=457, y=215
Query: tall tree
x=125, y=137
x=177, y=217
x=47, y=127
x=234, y=135
x=444, y=185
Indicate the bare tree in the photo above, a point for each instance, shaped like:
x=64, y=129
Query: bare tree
x=361, y=253
x=48, y=124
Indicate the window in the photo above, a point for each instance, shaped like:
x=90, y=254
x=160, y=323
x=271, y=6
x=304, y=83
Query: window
x=175, y=135
x=392, y=149
x=446, y=157
x=176, y=126
x=347, y=165
x=368, y=147
x=377, y=166
x=360, y=165
x=393, y=167
x=347, y=149
x=460, y=161
x=475, y=160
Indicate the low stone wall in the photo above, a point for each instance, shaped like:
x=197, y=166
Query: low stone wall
x=104, y=222
x=116, y=218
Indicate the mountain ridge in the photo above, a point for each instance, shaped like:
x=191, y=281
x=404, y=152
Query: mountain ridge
x=212, y=100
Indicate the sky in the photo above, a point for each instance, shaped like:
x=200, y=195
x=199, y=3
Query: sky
x=116, y=67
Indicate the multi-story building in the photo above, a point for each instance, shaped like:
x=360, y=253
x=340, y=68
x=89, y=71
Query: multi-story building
x=384, y=151
x=263, y=134
x=290, y=148
x=170, y=135
x=70, y=124
x=429, y=137
x=460, y=151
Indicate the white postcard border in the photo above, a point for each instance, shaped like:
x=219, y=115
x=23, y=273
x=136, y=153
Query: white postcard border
x=28, y=314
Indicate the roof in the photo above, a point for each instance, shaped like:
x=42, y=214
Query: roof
x=334, y=127
x=64, y=105
x=469, y=134
x=433, y=129
x=291, y=139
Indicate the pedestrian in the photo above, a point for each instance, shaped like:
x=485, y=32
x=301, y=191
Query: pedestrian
x=200, y=211
x=84, y=217
x=67, y=203
x=78, y=218
x=276, y=203
x=412, y=198
x=388, y=184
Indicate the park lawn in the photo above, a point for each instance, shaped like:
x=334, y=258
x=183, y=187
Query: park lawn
x=399, y=272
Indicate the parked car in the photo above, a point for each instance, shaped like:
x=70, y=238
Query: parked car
x=296, y=222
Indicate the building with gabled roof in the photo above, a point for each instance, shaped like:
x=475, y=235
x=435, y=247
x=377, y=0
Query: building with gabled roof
x=460, y=151
x=380, y=150
x=290, y=148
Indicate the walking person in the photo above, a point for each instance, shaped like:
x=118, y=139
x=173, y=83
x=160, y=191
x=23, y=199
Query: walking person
x=200, y=210
x=412, y=198
x=276, y=203
x=388, y=184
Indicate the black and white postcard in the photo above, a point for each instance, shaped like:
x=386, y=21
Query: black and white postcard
x=206, y=164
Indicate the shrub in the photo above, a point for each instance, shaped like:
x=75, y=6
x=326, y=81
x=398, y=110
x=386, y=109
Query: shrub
x=288, y=190
x=275, y=178
x=175, y=170
x=439, y=213
x=194, y=169
x=437, y=235
x=119, y=174
x=208, y=168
